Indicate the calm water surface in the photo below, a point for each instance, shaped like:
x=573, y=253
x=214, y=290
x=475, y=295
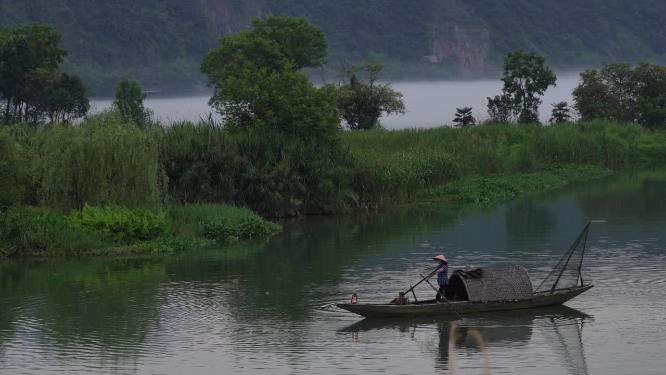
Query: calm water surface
x=268, y=308
x=429, y=104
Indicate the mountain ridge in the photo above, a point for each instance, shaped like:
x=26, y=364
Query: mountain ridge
x=162, y=43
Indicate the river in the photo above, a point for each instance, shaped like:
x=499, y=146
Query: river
x=428, y=104
x=267, y=308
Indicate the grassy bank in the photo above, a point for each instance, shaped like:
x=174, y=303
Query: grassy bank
x=112, y=230
x=400, y=165
x=106, y=187
x=486, y=190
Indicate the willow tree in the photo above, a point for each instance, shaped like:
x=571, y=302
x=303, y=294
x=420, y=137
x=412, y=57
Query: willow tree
x=102, y=162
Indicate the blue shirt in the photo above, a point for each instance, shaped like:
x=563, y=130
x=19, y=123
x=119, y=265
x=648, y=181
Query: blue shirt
x=443, y=275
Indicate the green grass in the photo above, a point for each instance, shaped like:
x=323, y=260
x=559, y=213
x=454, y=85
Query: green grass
x=108, y=188
x=486, y=190
x=399, y=165
x=221, y=223
x=121, y=225
x=119, y=231
x=30, y=231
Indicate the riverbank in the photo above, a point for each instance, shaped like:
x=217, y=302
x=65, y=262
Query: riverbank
x=109, y=188
x=484, y=191
x=118, y=231
x=399, y=166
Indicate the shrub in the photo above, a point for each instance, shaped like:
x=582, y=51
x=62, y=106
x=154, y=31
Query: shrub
x=221, y=223
x=101, y=162
x=198, y=162
x=38, y=231
x=121, y=225
x=11, y=172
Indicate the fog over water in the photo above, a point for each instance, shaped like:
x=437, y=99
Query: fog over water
x=432, y=104
x=429, y=104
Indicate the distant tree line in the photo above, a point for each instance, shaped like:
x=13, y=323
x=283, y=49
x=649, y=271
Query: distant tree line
x=616, y=92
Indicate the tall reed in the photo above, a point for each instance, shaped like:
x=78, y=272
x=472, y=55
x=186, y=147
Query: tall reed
x=101, y=162
x=400, y=163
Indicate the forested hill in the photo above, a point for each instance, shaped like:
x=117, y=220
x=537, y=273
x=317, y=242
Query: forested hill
x=162, y=42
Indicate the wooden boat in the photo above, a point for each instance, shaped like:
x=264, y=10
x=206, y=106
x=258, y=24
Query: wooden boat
x=432, y=307
x=493, y=289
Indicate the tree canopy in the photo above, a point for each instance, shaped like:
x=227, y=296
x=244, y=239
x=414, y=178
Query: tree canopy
x=362, y=100
x=31, y=87
x=285, y=128
x=129, y=102
x=255, y=73
x=526, y=78
x=623, y=93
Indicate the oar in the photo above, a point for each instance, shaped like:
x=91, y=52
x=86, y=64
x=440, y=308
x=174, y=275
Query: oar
x=425, y=278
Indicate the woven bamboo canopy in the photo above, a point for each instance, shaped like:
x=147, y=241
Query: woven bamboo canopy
x=492, y=284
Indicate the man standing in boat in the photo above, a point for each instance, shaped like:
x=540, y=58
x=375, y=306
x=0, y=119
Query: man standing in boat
x=442, y=276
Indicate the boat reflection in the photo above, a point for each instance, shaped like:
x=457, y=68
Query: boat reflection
x=481, y=333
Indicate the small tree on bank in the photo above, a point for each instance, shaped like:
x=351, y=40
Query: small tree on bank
x=362, y=100
x=526, y=78
x=464, y=117
x=560, y=113
x=129, y=102
x=501, y=109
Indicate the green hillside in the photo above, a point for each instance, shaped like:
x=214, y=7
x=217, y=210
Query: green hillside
x=162, y=42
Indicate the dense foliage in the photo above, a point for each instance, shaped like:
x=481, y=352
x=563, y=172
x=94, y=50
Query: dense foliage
x=121, y=225
x=362, y=100
x=399, y=164
x=129, y=102
x=31, y=87
x=12, y=171
x=222, y=223
x=111, y=230
x=110, y=184
x=161, y=43
x=284, y=129
x=30, y=231
x=622, y=93
x=206, y=163
x=103, y=161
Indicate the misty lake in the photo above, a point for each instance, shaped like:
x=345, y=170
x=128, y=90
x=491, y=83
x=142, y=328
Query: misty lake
x=429, y=104
x=268, y=308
